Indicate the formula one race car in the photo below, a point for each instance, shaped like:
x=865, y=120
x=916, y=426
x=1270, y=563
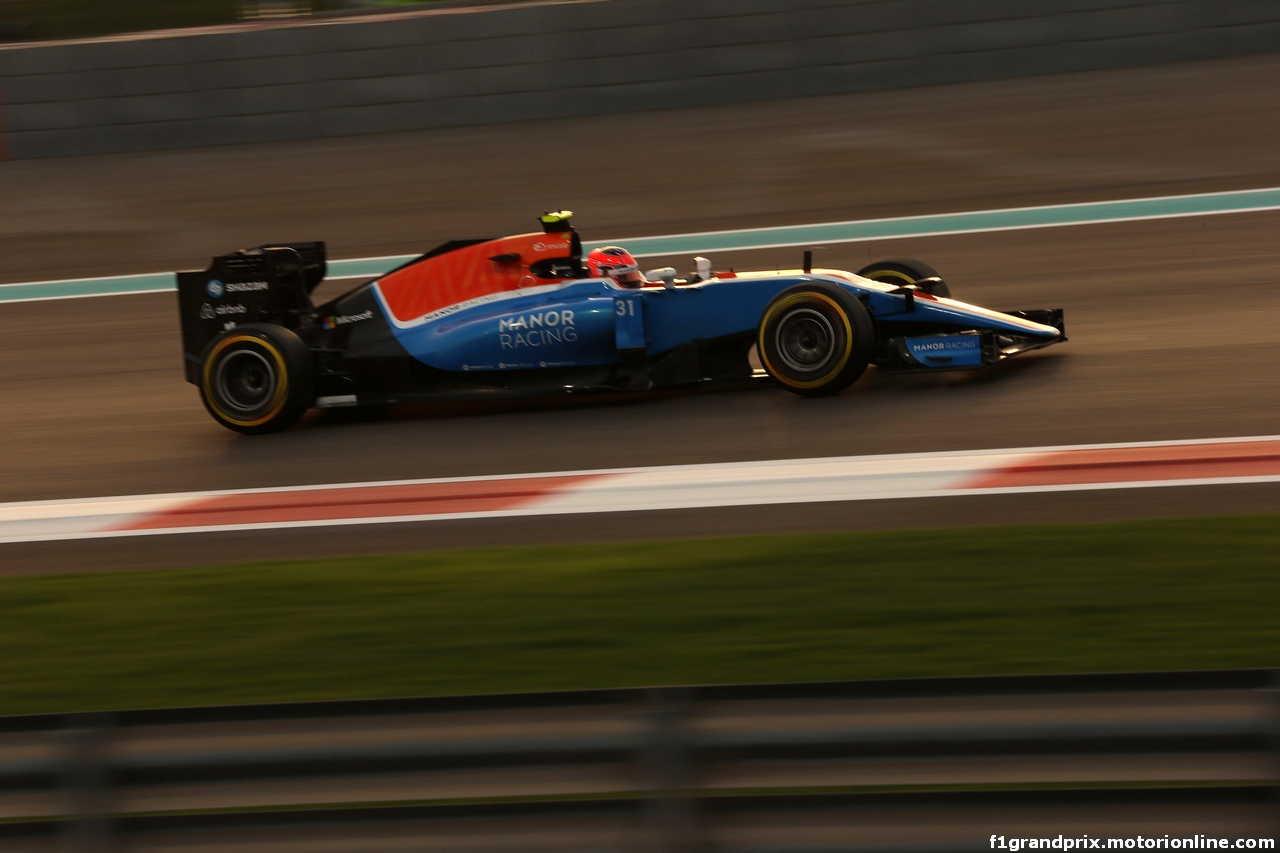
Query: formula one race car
x=525, y=316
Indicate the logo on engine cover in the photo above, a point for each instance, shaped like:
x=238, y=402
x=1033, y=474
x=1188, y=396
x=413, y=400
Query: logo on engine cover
x=206, y=311
x=215, y=288
x=344, y=319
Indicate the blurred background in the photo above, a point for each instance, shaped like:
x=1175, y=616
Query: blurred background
x=26, y=20
x=145, y=137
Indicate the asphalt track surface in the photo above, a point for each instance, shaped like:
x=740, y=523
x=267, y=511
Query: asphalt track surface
x=1173, y=323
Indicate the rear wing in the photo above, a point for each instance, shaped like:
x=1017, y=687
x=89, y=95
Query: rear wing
x=269, y=284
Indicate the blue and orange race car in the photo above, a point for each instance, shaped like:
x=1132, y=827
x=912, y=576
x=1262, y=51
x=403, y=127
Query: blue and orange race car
x=529, y=316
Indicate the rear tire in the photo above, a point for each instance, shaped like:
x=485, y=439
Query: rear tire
x=257, y=378
x=815, y=339
x=901, y=271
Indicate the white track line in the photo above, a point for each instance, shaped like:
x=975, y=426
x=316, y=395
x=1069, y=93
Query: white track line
x=850, y=478
x=819, y=233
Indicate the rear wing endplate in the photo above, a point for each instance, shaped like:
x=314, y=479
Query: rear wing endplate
x=269, y=284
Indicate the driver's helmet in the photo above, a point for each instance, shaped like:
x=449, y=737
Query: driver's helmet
x=616, y=263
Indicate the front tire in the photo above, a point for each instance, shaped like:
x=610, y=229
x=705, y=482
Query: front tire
x=902, y=271
x=815, y=339
x=257, y=378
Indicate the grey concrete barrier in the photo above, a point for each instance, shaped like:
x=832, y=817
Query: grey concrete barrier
x=726, y=768
x=488, y=64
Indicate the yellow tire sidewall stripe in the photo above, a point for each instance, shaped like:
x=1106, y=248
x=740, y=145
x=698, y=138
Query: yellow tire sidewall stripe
x=848, y=339
x=898, y=275
x=282, y=379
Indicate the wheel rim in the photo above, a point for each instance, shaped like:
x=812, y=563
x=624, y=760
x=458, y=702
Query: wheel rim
x=245, y=381
x=805, y=340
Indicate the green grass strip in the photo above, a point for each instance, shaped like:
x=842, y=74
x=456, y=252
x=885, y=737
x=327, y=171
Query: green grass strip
x=1167, y=594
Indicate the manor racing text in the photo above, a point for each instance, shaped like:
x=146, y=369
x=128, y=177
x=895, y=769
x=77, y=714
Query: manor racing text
x=536, y=329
